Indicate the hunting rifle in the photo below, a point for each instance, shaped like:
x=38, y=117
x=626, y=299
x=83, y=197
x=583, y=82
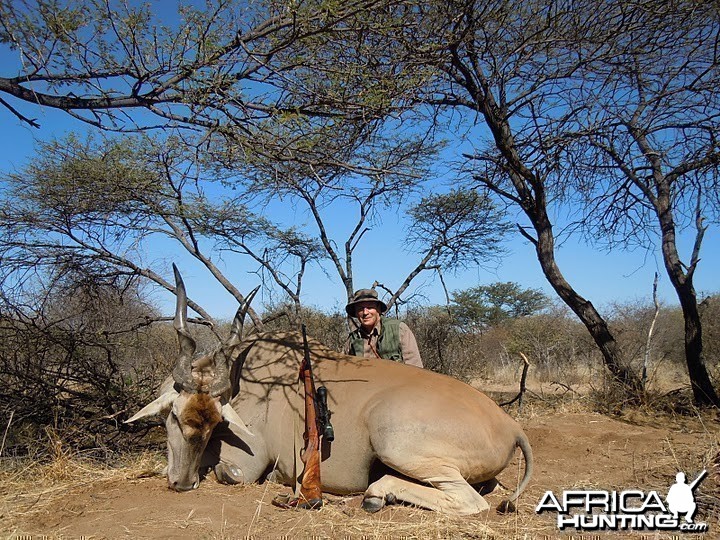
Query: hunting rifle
x=317, y=421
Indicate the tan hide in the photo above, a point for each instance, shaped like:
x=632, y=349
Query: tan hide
x=429, y=427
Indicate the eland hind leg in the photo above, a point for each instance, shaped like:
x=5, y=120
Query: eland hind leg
x=447, y=492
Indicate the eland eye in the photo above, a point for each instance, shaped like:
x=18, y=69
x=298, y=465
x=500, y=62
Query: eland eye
x=195, y=439
x=193, y=436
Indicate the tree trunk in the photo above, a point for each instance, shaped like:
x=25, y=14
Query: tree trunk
x=703, y=392
x=531, y=197
x=584, y=309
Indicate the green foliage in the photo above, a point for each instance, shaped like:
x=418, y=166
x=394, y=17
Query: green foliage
x=87, y=179
x=94, y=203
x=488, y=305
x=458, y=228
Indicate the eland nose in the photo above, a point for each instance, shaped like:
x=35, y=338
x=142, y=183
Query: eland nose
x=182, y=486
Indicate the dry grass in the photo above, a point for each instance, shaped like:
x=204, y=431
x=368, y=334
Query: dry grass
x=342, y=518
x=31, y=488
x=38, y=485
x=29, y=485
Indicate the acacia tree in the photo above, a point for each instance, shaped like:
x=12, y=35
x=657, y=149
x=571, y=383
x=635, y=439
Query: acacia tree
x=499, y=63
x=126, y=67
x=487, y=305
x=544, y=78
x=213, y=67
x=96, y=205
x=92, y=206
x=453, y=230
x=247, y=79
x=647, y=161
x=323, y=165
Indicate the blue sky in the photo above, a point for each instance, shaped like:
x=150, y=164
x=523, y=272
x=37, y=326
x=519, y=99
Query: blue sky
x=602, y=277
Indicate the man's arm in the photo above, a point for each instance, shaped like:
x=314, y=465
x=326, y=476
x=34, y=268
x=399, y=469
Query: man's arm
x=408, y=344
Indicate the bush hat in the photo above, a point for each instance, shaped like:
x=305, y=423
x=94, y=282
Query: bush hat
x=365, y=295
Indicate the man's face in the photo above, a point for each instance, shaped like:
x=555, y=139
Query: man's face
x=368, y=314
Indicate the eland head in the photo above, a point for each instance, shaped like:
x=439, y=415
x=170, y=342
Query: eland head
x=198, y=400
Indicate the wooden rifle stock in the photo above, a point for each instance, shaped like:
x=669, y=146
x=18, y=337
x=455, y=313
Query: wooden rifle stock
x=310, y=496
x=311, y=486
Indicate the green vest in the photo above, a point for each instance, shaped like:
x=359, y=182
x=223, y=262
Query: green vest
x=388, y=343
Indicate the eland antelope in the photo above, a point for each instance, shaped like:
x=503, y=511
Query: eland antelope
x=401, y=433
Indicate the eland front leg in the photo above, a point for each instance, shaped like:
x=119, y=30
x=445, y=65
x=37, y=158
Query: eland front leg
x=235, y=459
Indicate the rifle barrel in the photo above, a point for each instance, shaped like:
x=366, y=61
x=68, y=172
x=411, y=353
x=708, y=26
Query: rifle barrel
x=699, y=479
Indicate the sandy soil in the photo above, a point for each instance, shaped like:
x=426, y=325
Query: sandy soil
x=572, y=450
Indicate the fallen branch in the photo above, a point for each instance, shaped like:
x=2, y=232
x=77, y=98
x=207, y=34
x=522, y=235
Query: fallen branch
x=7, y=428
x=567, y=387
x=646, y=358
x=523, y=378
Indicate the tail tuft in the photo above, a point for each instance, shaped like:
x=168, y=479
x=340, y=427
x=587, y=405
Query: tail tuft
x=506, y=507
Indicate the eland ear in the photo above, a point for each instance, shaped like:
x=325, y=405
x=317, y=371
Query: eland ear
x=233, y=418
x=159, y=406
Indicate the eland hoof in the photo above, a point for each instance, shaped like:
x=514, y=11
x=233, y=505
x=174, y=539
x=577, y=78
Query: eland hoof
x=372, y=504
x=229, y=474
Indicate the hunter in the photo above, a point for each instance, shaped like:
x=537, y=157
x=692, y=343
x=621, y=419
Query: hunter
x=378, y=337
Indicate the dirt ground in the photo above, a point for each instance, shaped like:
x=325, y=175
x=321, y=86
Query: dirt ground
x=573, y=449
